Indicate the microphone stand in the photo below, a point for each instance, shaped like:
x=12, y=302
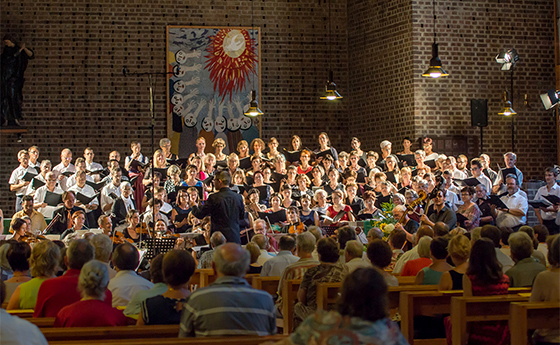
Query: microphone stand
x=126, y=73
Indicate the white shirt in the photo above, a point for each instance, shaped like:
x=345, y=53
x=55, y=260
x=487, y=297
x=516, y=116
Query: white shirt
x=39, y=198
x=458, y=174
x=514, y=201
x=93, y=166
x=452, y=200
x=15, y=331
x=555, y=190
x=264, y=257
x=106, y=199
x=88, y=191
x=410, y=255
x=30, y=190
x=125, y=284
x=275, y=267
x=62, y=169
x=517, y=171
x=16, y=176
x=484, y=180
x=432, y=157
x=71, y=181
x=356, y=263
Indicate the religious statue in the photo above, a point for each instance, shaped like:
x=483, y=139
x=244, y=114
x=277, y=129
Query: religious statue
x=14, y=59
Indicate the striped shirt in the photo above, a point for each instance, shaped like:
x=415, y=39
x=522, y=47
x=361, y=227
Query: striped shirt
x=230, y=306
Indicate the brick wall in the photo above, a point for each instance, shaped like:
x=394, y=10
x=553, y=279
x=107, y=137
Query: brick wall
x=75, y=94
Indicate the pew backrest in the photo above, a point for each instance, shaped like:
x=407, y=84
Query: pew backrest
x=525, y=316
x=100, y=333
x=237, y=340
x=289, y=299
x=268, y=284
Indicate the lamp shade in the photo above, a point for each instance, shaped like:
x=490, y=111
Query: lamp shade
x=253, y=106
x=330, y=90
x=550, y=99
x=435, y=70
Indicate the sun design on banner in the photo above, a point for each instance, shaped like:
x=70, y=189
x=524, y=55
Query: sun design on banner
x=231, y=60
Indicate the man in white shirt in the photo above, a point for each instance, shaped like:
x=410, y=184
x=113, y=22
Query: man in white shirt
x=17, y=184
x=80, y=166
x=40, y=194
x=451, y=165
x=64, y=166
x=45, y=167
x=260, y=241
x=34, y=157
x=275, y=266
x=126, y=283
x=510, y=159
x=105, y=224
x=516, y=213
x=90, y=164
x=353, y=253
x=547, y=216
x=113, y=187
x=476, y=170
x=86, y=190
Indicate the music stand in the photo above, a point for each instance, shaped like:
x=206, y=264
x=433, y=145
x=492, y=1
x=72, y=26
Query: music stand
x=156, y=246
x=329, y=230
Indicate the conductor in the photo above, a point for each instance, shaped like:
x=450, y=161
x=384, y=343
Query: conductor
x=224, y=207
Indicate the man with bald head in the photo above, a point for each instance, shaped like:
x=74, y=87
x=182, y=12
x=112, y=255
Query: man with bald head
x=230, y=306
x=216, y=240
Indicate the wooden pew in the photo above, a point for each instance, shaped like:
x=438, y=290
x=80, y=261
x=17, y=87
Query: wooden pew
x=406, y=280
x=237, y=340
x=22, y=313
x=429, y=303
x=465, y=310
x=100, y=333
x=196, y=277
x=268, y=284
x=249, y=277
x=525, y=316
x=42, y=322
x=289, y=299
x=207, y=277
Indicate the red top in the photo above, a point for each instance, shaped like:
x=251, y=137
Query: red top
x=90, y=313
x=301, y=171
x=412, y=267
x=60, y=292
x=333, y=213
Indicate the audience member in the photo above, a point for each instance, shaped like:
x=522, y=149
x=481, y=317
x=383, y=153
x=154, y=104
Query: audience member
x=537, y=255
x=412, y=254
x=126, y=283
x=59, y=292
x=15, y=330
x=305, y=246
x=255, y=253
x=412, y=267
x=18, y=257
x=353, y=254
x=165, y=309
x=525, y=270
x=345, y=234
x=103, y=247
x=367, y=319
x=379, y=254
x=156, y=275
x=261, y=241
x=44, y=263
x=397, y=241
x=216, y=240
x=431, y=274
x=275, y=266
x=541, y=232
x=494, y=234
x=440, y=229
x=231, y=306
x=328, y=271
x=546, y=288
x=94, y=309
x=459, y=250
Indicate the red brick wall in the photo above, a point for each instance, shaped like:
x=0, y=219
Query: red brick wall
x=75, y=94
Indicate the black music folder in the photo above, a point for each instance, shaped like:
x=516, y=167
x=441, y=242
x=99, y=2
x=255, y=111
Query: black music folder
x=181, y=162
x=552, y=198
x=274, y=217
x=85, y=199
x=431, y=163
x=53, y=199
x=538, y=204
x=245, y=163
x=410, y=160
x=96, y=186
x=135, y=164
x=291, y=156
x=495, y=200
x=37, y=184
x=28, y=176
x=471, y=181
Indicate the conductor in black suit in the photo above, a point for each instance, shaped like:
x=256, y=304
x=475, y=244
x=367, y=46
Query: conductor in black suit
x=225, y=208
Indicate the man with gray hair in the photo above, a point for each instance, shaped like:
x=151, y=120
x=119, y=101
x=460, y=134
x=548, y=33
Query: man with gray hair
x=261, y=241
x=216, y=240
x=525, y=270
x=275, y=266
x=230, y=306
x=56, y=293
x=353, y=253
x=103, y=247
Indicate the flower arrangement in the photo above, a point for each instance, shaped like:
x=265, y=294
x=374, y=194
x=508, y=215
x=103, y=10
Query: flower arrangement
x=386, y=222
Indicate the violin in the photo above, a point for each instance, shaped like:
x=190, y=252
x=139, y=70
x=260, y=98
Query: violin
x=421, y=197
x=118, y=238
x=142, y=228
x=31, y=238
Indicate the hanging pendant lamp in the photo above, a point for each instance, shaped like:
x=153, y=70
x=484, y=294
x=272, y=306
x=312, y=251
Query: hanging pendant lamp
x=435, y=70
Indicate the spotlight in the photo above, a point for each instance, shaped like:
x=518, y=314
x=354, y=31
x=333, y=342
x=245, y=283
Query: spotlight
x=507, y=109
x=507, y=59
x=330, y=90
x=550, y=99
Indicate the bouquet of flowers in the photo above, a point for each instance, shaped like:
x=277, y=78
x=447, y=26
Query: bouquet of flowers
x=386, y=222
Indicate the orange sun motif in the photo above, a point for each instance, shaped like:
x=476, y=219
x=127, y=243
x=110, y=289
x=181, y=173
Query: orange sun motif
x=231, y=59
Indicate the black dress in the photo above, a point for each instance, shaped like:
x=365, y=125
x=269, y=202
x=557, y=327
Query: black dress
x=182, y=213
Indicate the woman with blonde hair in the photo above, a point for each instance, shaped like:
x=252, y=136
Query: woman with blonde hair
x=219, y=145
x=44, y=265
x=459, y=250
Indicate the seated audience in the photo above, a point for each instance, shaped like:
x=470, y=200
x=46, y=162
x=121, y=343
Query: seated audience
x=459, y=250
x=412, y=254
x=546, y=288
x=59, y=292
x=485, y=277
x=177, y=268
x=261, y=241
x=366, y=319
x=397, y=241
x=537, y=255
x=541, y=232
x=44, y=264
x=126, y=283
x=494, y=234
x=18, y=257
x=103, y=247
x=379, y=253
x=412, y=267
x=438, y=253
x=328, y=271
x=285, y=257
x=216, y=240
x=231, y=306
x=353, y=254
x=525, y=270
x=156, y=275
x=94, y=309
x=16, y=330
x=305, y=246
x=255, y=252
